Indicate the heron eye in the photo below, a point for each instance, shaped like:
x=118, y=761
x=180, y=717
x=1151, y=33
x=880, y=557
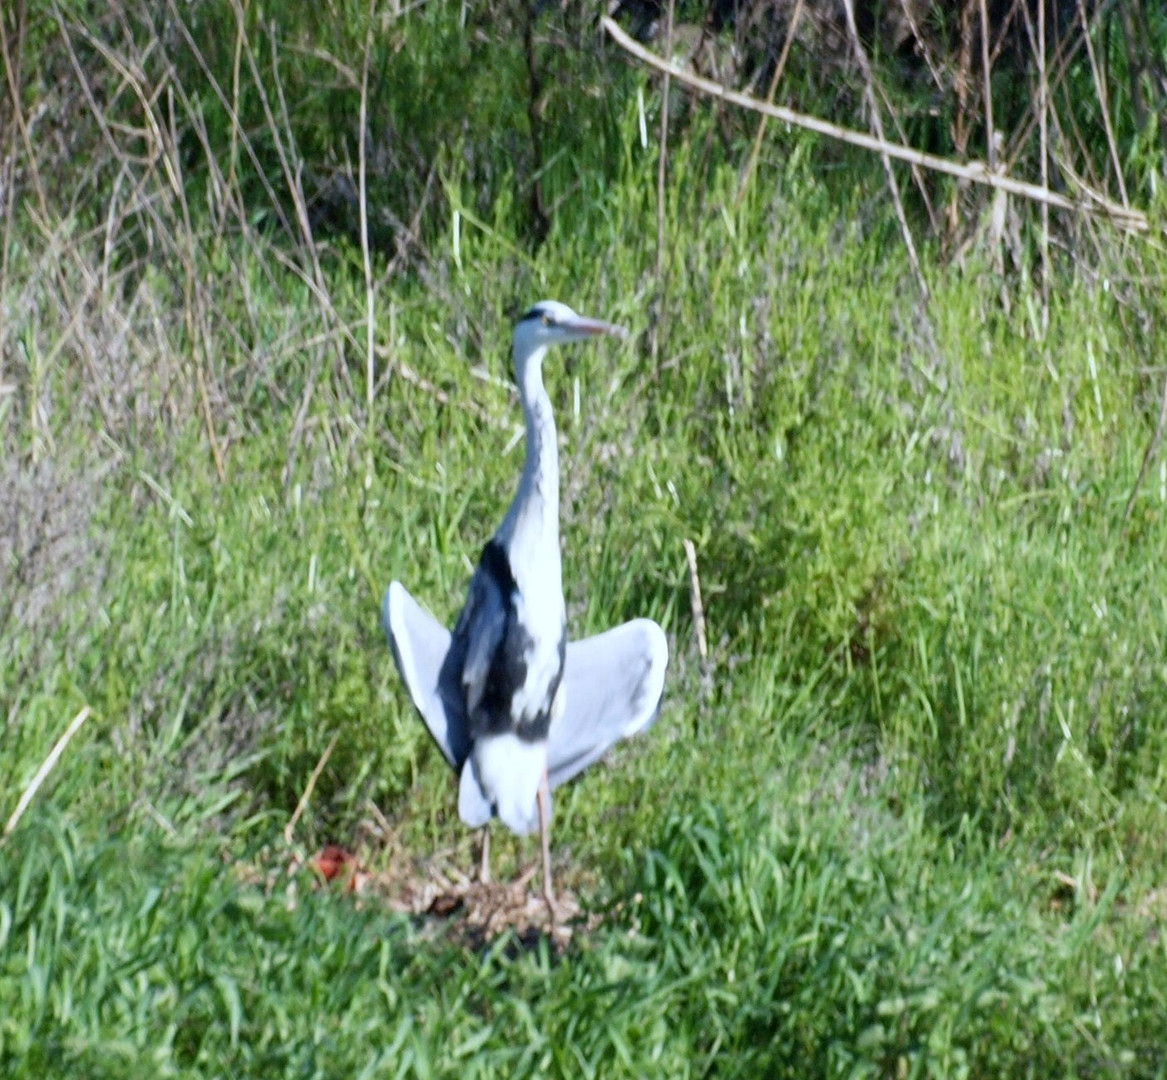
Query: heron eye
x=546, y=320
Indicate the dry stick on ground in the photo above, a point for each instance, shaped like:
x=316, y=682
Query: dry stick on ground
x=977, y=172
x=747, y=172
x=46, y=768
x=302, y=805
x=877, y=123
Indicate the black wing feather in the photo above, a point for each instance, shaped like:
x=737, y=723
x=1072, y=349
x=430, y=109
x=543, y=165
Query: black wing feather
x=492, y=648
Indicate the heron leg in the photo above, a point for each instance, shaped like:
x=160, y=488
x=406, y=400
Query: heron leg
x=484, y=866
x=545, y=834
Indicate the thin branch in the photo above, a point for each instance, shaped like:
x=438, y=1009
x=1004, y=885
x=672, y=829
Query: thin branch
x=977, y=172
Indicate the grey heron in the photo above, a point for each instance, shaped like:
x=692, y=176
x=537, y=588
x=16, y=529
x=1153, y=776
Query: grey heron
x=514, y=707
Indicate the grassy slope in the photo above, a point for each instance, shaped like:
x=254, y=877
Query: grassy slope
x=911, y=822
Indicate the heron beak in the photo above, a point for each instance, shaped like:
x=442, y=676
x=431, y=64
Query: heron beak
x=588, y=328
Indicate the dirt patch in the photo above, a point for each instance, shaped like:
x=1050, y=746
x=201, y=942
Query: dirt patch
x=446, y=902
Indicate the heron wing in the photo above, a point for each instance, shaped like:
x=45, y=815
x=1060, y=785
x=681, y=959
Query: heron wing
x=479, y=633
x=612, y=685
x=421, y=648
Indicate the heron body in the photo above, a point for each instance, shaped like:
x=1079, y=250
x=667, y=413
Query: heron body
x=515, y=709
x=512, y=639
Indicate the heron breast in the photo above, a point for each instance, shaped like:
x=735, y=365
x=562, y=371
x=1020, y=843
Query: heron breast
x=510, y=769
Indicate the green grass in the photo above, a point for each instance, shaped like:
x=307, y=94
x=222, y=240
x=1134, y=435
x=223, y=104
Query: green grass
x=907, y=818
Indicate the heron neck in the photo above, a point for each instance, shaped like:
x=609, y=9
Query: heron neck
x=535, y=511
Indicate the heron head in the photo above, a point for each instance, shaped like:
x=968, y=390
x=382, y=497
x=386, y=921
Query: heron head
x=552, y=323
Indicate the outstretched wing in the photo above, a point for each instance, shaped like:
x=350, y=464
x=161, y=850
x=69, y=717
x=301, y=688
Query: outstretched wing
x=612, y=686
x=421, y=648
x=431, y=664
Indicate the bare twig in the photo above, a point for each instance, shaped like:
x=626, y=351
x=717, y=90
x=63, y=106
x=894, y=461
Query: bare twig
x=978, y=172
x=302, y=805
x=46, y=768
x=877, y=124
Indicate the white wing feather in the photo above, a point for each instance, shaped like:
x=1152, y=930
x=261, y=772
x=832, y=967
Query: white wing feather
x=612, y=685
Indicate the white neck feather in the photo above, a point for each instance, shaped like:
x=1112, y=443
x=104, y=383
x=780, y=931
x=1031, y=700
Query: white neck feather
x=530, y=531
